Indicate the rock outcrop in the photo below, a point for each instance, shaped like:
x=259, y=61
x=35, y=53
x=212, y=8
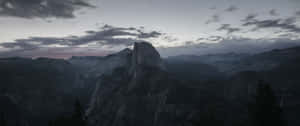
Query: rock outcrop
x=144, y=54
x=130, y=95
x=142, y=95
x=93, y=67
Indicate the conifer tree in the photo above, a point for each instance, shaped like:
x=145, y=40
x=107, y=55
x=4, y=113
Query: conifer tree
x=2, y=120
x=265, y=111
x=78, y=116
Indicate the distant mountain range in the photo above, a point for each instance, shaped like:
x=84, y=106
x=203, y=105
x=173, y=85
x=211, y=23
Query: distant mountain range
x=138, y=87
x=231, y=63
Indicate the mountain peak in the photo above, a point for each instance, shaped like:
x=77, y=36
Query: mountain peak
x=125, y=51
x=144, y=54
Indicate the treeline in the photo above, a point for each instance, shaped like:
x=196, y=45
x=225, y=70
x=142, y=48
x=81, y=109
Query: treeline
x=77, y=118
x=264, y=110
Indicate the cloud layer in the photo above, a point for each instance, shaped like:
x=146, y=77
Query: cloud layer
x=231, y=8
x=228, y=28
x=214, y=19
x=273, y=12
x=284, y=24
x=41, y=8
x=107, y=36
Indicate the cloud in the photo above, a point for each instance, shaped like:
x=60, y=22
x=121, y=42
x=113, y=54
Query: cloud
x=273, y=12
x=210, y=39
x=107, y=36
x=228, y=28
x=153, y=34
x=284, y=24
x=214, y=19
x=232, y=8
x=250, y=17
x=53, y=52
x=290, y=20
x=42, y=8
x=213, y=8
x=170, y=38
x=297, y=13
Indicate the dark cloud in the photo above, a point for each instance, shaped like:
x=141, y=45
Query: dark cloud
x=41, y=8
x=250, y=17
x=213, y=8
x=170, y=38
x=19, y=44
x=273, y=12
x=228, y=28
x=290, y=20
x=214, y=19
x=64, y=52
x=288, y=35
x=297, y=13
x=232, y=8
x=284, y=24
x=153, y=34
x=189, y=43
x=108, y=36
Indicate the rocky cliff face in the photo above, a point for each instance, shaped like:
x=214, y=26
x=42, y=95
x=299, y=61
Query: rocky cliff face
x=97, y=66
x=134, y=88
x=142, y=94
x=41, y=89
x=144, y=54
x=131, y=95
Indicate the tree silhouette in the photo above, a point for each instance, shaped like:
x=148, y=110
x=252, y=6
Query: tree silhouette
x=208, y=117
x=78, y=116
x=2, y=120
x=265, y=111
x=76, y=119
x=50, y=123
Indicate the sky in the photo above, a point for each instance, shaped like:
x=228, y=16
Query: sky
x=63, y=28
